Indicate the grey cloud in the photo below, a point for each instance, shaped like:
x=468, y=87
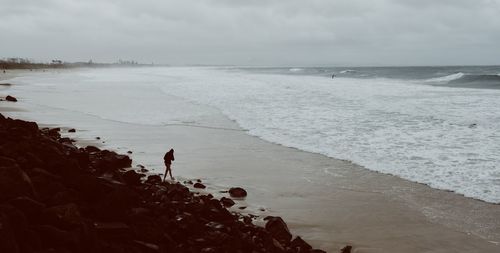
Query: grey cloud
x=315, y=32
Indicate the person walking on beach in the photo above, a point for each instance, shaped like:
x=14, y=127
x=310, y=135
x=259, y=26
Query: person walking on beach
x=168, y=158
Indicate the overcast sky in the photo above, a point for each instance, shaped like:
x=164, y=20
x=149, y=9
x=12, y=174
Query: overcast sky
x=254, y=32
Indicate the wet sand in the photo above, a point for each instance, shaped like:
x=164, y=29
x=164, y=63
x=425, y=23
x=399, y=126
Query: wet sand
x=329, y=202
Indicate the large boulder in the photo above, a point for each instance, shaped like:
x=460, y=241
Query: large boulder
x=132, y=178
x=63, y=216
x=53, y=237
x=8, y=242
x=112, y=229
x=227, y=202
x=199, y=186
x=109, y=161
x=278, y=229
x=115, y=205
x=13, y=181
x=30, y=207
x=237, y=192
x=11, y=98
x=90, y=187
x=153, y=179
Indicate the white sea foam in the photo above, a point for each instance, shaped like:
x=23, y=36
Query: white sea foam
x=417, y=132
x=295, y=69
x=448, y=78
x=347, y=71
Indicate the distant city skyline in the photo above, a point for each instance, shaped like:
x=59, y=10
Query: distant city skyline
x=254, y=33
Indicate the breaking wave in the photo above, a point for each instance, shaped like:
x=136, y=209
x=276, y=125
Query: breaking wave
x=468, y=80
x=347, y=71
x=447, y=78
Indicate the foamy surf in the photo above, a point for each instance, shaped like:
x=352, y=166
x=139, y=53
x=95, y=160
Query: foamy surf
x=418, y=132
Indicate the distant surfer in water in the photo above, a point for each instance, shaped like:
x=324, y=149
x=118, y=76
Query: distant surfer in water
x=333, y=76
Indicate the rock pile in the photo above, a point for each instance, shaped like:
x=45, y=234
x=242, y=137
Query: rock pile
x=55, y=197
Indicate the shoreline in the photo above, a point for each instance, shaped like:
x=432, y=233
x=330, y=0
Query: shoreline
x=414, y=211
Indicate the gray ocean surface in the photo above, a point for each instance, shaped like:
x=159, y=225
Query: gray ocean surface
x=481, y=77
x=434, y=125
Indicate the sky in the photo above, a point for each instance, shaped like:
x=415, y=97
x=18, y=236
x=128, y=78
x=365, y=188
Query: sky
x=254, y=32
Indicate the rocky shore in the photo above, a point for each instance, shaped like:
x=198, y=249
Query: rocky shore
x=56, y=197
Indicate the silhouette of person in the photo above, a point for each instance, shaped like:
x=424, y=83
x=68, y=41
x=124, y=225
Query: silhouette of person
x=168, y=158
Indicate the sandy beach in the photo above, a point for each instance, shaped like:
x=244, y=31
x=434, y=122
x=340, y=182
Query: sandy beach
x=328, y=202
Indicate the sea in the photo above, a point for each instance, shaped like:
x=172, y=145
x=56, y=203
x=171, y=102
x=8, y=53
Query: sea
x=438, y=126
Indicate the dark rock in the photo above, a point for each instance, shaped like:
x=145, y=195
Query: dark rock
x=277, y=246
x=108, y=161
x=7, y=162
x=112, y=229
x=208, y=250
x=300, y=244
x=11, y=98
x=63, y=216
x=31, y=208
x=113, y=206
x=139, y=211
x=31, y=241
x=54, y=132
x=8, y=242
x=227, y=202
x=278, y=229
x=90, y=187
x=132, y=178
x=247, y=220
x=13, y=180
x=346, y=249
x=215, y=226
x=45, y=185
x=62, y=198
x=92, y=149
x=147, y=247
x=5, y=84
x=54, y=237
x=237, y=192
x=153, y=179
x=199, y=186
x=72, y=130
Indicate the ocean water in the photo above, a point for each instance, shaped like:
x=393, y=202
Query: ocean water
x=434, y=125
